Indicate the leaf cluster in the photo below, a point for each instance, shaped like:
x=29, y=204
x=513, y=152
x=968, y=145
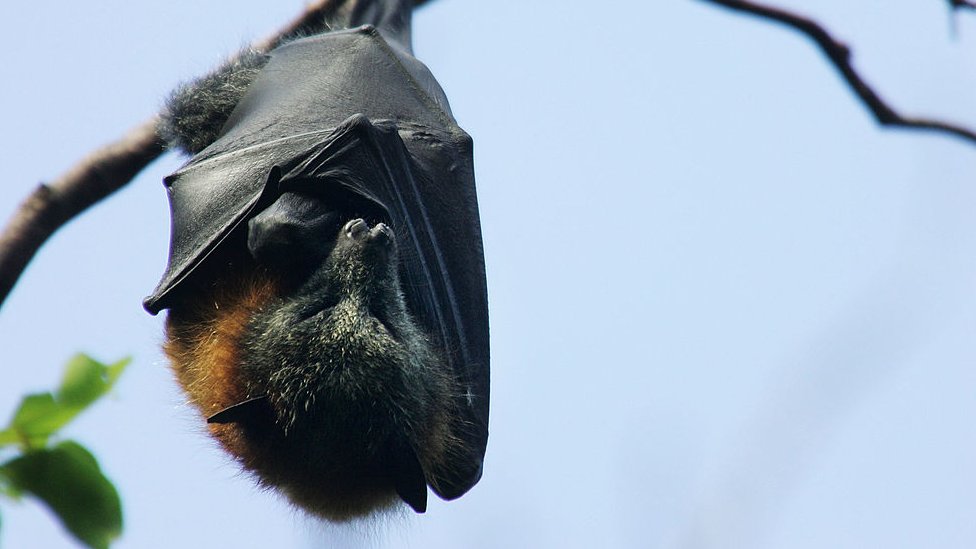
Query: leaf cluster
x=63, y=474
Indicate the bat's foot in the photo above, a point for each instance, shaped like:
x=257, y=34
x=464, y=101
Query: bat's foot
x=358, y=230
x=355, y=229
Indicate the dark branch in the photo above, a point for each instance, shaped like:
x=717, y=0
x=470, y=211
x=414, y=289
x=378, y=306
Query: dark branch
x=840, y=56
x=50, y=206
x=107, y=170
x=955, y=6
x=962, y=4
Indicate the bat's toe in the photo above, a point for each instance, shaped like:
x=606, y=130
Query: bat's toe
x=381, y=234
x=379, y=237
x=356, y=229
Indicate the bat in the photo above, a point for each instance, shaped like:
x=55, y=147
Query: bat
x=326, y=290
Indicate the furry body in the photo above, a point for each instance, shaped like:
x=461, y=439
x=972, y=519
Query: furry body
x=355, y=394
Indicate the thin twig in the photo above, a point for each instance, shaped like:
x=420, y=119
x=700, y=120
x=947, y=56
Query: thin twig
x=955, y=6
x=840, y=56
x=105, y=171
x=961, y=4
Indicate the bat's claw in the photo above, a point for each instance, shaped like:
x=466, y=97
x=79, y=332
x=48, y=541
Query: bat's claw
x=247, y=411
x=381, y=233
x=359, y=230
x=356, y=229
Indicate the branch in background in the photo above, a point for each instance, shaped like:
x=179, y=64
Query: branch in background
x=52, y=205
x=107, y=170
x=961, y=4
x=955, y=6
x=840, y=56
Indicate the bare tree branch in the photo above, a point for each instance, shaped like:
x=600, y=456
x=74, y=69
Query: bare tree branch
x=50, y=206
x=840, y=56
x=108, y=169
x=955, y=6
x=961, y=4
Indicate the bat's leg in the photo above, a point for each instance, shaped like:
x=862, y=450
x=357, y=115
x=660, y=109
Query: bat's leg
x=392, y=16
x=196, y=111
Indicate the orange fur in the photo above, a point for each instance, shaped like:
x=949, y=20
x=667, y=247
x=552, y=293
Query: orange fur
x=203, y=345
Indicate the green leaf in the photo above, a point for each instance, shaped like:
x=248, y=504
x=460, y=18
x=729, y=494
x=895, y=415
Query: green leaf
x=85, y=379
x=8, y=436
x=68, y=480
x=6, y=490
x=38, y=416
x=43, y=414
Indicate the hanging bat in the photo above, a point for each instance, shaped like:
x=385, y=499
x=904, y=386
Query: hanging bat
x=326, y=285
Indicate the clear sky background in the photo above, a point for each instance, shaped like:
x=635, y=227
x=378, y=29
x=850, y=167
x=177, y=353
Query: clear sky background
x=727, y=310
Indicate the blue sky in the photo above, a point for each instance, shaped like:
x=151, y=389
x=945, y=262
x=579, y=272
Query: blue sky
x=727, y=310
